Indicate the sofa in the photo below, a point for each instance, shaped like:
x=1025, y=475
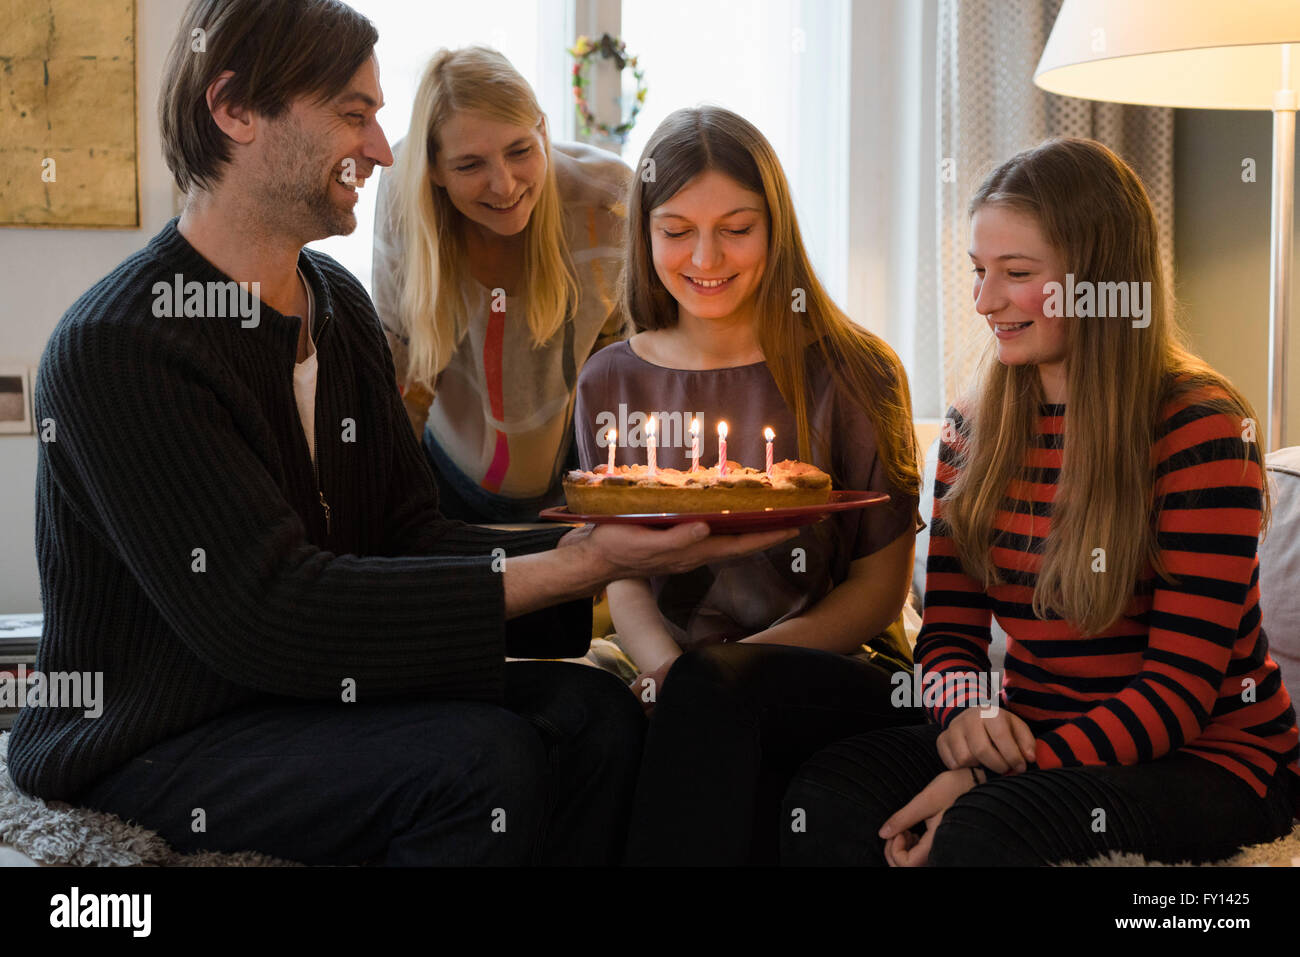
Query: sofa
x=83, y=838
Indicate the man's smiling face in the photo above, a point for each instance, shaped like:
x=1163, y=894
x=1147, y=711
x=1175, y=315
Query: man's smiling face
x=319, y=153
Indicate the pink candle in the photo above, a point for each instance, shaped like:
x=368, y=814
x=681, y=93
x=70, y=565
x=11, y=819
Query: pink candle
x=611, y=439
x=651, y=446
x=722, y=448
x=769, y=435
x=695, y=445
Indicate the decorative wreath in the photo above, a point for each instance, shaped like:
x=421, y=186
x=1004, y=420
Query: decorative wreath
x=609, y=48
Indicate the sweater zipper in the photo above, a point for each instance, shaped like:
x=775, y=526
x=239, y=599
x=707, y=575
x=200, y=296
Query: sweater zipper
x=325, y=506
x=315, y=469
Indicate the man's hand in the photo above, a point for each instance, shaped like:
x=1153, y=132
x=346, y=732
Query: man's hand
x=902, y=847
x=633, y=551
x=587, y=559
x=1001, y=742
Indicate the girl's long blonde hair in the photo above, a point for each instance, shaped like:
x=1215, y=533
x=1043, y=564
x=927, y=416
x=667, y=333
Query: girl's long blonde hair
x=433, y=267
x=1094, y=210
x=691, y=141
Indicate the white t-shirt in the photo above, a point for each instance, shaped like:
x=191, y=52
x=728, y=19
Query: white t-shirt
x=304, y=376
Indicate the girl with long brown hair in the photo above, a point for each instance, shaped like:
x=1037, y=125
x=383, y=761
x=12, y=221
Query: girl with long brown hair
x=753, y=665
x=1101, y=493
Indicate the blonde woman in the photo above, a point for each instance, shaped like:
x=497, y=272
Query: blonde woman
x=496, y=256
x=1102, y=494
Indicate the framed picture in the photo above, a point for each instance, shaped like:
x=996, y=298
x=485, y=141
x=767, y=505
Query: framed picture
x=15, y=400
x=68, y=154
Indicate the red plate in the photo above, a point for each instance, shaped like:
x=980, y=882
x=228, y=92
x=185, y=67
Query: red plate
x=723, y=523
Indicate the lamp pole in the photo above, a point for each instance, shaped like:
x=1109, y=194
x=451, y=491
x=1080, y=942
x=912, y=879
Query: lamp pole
x=1279, y=296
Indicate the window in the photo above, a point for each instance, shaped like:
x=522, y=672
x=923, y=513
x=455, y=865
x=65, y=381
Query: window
x=533, y=34
x=781, y=64
x=843, y=99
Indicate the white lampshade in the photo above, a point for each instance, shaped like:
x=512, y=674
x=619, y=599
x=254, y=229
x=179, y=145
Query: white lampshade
x=1197, y=54
x=1206, y=54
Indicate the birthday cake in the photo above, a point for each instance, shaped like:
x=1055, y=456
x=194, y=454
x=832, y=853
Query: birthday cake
x=631, y=490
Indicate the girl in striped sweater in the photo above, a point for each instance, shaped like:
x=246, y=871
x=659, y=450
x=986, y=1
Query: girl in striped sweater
x=1101, y=493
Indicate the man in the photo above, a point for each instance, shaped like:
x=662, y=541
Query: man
x=236, y=526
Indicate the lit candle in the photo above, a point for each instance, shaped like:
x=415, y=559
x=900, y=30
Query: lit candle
x=611, y=439
x=650, y=445
x=695, y=445
x=722, y=448
x=769, y=435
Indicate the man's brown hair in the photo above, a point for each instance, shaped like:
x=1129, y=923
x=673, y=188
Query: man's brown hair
x=278, y=50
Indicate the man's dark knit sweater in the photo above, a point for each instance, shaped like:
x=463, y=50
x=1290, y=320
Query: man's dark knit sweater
x=183, y=547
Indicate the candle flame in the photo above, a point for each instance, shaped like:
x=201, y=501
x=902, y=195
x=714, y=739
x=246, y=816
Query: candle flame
x=769, y=434
x=611, y=436
x=695, y=426
x=722, y=430
x=650, y=426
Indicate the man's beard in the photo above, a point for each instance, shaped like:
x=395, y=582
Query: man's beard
x=295, y=195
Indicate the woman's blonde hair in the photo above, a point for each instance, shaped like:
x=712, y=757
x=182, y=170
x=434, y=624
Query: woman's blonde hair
x=692, y=141
x=433, y=267
x=1092, y=208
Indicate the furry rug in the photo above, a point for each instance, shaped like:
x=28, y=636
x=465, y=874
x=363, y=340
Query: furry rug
x=55, y=833
x=1284, y=852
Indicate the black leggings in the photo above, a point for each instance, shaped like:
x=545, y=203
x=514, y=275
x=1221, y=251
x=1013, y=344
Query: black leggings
x=1179, y=808
x=731, y=726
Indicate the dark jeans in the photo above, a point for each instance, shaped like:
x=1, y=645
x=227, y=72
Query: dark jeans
x=546, y=779
x=732, y=725
x=462, y=499
x=1179, y=808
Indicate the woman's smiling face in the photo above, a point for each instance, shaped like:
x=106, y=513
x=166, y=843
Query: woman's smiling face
x=493, y=171
x=709, y=245
x=1013, y=262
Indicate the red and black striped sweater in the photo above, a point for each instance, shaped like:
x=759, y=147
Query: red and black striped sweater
x=1172, y=671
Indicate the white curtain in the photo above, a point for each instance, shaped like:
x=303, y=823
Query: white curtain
x=892, y=163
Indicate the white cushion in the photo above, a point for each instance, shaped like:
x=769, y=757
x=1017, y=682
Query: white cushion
x=1279, y=567
x=927, y=511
